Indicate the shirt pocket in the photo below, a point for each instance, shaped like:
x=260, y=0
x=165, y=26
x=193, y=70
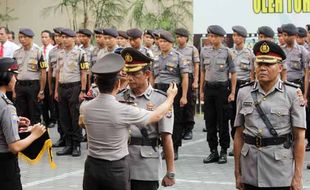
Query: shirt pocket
x=279, y=116
x=172, y=68
x=32, y=65
x=149, y=152
x=245, y=150
x=207, y=63
x=283, y=154
x=246, y=110
x=220, y=64
x=245, y=64
x=295, y=63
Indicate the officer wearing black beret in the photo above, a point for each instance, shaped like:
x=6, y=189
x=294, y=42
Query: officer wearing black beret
x=216, y=30
x=107, y=123
x=99, y=49
x=289, y=29
x=280, y=36
x=148, y=40
x=68, y=32
x=240, y=30
x=122, y=39
x=86, y=32
x=10, y=143
x=265, y=33
x=110, y=37
x=27, y=32
x=135, y=40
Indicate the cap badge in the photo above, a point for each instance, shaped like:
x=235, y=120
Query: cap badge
x=264, y=48
x=128, y=58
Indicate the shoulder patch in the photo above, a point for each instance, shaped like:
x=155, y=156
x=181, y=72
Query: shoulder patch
x=247, y=84
x=6, y=100
x=291, y=84
x=160, y=92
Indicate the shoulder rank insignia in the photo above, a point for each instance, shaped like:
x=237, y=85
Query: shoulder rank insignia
x=160, y=92
x=6, y=100
x=291, y=84
x=248, y=84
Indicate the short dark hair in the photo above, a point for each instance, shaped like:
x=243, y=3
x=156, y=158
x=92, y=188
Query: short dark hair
x=5, y=78
x=6, y=30
x=106, y=82
x=13, y=34
x=47, y=31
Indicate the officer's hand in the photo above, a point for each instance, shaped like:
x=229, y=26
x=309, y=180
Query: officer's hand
x=239, y=184
x=38, y=130
x=296, y=183
x=13, y=95
x=202, y=96
x=195, y=85
x=82, y=96
x=56, y=96
x=231, y=97
x=172, y=90
x=183, y=101
x=167, y=181
x=40, y=97
x=23, y=121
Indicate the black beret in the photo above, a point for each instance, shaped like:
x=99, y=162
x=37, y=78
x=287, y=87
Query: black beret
x=110, y=32
x=166, y=36
x=216, y=29
x=110, y=63
x=27, y=32
x=308, y=27
x=134, y=59
x=266, y=30
x=301, y=32
x=58, y=30
x=240, y=30
x=156, y=32
x=118, y=50
x=290, y=29
x=149, y=32
x=134, y=33
x=98, y=31
x=68, y=32
x=268, y=52
x=181, y=32
x=86, y=32
x=8, y=65
x=280, y=31
x=123, y=34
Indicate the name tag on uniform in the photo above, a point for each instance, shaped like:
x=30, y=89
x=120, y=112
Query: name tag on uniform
x=247, y=104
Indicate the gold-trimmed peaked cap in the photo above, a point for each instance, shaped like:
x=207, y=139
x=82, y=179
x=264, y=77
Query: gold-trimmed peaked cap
x=268, y=52
x=134, y=60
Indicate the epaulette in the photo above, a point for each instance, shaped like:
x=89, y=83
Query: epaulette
x=123, y=91
x=247, y=84
x=160, y=92
x=291, y=84
x=7, y=101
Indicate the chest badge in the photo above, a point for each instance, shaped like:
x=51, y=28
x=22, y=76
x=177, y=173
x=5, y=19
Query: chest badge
x=150, y=106
x=247, y=104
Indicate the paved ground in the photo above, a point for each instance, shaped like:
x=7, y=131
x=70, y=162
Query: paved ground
x=191, y=173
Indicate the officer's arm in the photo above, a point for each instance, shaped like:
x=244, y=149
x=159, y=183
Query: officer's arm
x=238, y=144
x=42, y=67
x=202, y=79
x=306, y=82
x=299, y=151
x=233, y=82
x=49, y=78
x=168, y=149
x=184, y=84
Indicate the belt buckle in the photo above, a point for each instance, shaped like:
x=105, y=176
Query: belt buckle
x=258, y=141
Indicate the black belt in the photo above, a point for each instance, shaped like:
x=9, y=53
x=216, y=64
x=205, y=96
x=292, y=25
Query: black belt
x=163, y=87
x=261, y=142
x=28, y=82
x=7, y=156
x=216, y=84
x=143, y=141
x=69, y=85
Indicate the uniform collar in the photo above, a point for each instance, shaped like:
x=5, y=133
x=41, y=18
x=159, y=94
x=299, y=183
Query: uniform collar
x=147, y=93
x=294, y=46
x=278, y=86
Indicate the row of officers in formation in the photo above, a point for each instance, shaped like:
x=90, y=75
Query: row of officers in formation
x=268, y=115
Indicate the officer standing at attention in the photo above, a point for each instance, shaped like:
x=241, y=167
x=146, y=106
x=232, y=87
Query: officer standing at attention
x=135, y=40
x=107, y=123
x=170, y=66
x=85, y=39
x=243, y=58
x=99, y=49
x=144, y=156
x=110, y=38
x=297, y=59
x=302, y=37
x=122, y=39
x=265, y=33
x=217, y=66
x=191, y=55
x=52, y=64
x=10, y=143
x=70, y=90
x=270, y=126
x=280, y=37
x=31, y=78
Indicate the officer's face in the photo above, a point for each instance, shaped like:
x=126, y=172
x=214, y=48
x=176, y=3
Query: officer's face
x=215, y=39
x=24, y=40
x=84, y=39
x=110, y=41
x=300, y=40
x=135, y=42
x=68, y=41
x=308, y=37
x=58, y=38
x=281, y=39
x=137, y=79
x=148, y=40
x=289, y=39
x=237, y=38
x=122, y=41
x=181, y=40
x=11, y=85
x=267, y=72
x=3, y=35
x=164, y=45
x=100, y=39
x=45, y=38
x=263, y=37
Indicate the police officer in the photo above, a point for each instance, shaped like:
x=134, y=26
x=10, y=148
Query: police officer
x=297, y=59
x=302, y=37
x=148, y=41
x=280, y=37
x=32, y=77
x=10, y=143
x=85, y=39
x=70, y=90
x=52, y=64
x=110, y=38
x=269, y=141
x=99, y=50
x=171, y=66
x=144, y=160
x=135, y=40
x=191, y=55
x=122, y=39
x=217, y=66
x=243, y=58
x=308, y=37
x=265, y=33
x=107, y=123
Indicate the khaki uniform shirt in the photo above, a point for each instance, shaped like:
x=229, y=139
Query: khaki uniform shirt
x=96, y=54
x=244, y=62
x=52, y=62
x=144, y=161
x=269, y=166
x=191, y=55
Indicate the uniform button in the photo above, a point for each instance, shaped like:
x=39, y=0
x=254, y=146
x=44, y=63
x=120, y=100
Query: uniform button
x=264, y=98
x=150, y=153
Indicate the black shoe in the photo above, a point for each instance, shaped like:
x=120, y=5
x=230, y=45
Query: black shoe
x=188, y=135
x=204, y=129
x=76, y=151
x=51, y=125
x=213, y=157
x=66, y=151
x=308, y=147
x=223, y=158
x=308, y=166
x=59, y=143
x=231, y=153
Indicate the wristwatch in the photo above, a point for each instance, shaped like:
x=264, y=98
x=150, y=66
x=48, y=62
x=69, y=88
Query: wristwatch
x=170, y=175
x=84, y=91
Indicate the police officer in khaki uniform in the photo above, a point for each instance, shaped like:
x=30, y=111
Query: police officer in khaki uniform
x=110, y=38
x=99, y=50
x=144, y=156
x=107, y=123
x=280, y=37
x=243, y=58
x=191, y=55
x=32, y=77
x=122, y=39
x=217, y=66
x=52, y=62
x=308, y=37
x=10, y=143
x=85, y=39
x=270, y=136
x=135, y=40
x=265, y=33
x=302, y=37
x=70, y=90
x=171, y=66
